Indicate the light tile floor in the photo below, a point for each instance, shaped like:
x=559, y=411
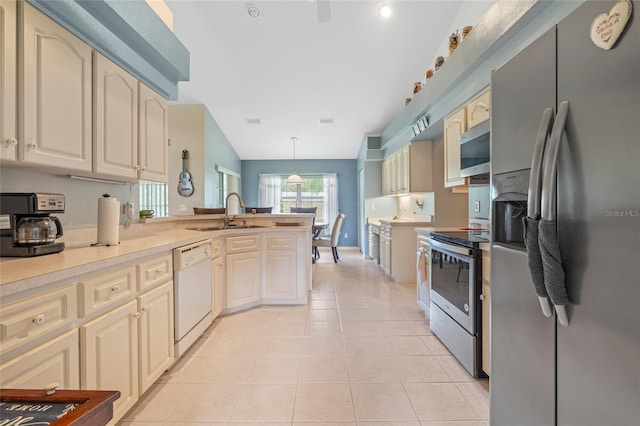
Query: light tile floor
x=360, y=353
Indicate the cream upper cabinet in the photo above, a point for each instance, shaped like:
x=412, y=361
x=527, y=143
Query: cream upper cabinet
x=454, y=126
x=115, y=119
x=8, y=82
x=408, y=169
x=478, y=110
x=55, y=112
x=154, y=135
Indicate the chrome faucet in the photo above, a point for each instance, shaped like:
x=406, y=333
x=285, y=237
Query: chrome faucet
x=226, y=207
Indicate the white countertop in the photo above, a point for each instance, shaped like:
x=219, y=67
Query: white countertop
x=395, y=221
x=23, y=274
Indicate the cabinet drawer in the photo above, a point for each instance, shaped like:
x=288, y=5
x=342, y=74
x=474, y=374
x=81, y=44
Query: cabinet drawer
x=20, y=322
x=281, y=242
x=56, y=361
x=107, y=289
x=478, y=110
x=155, y=271
x=242, y=243
x=216, y=248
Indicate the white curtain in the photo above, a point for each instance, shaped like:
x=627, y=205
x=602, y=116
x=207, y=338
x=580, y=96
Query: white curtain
x=330, y=201
x=269, y=192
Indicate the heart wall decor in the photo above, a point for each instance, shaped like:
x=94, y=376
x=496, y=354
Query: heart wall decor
x=607, y=27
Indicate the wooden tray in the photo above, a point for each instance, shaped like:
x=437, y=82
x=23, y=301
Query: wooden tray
x=92, y=408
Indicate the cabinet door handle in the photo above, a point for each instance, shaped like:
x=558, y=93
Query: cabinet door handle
x=12, y=141
x=39, y=319
x=145, y=309
x=482, y=297
x=136, y=167
x=136, y=315
x=33, y=145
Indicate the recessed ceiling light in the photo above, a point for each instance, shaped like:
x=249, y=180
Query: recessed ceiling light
x=384, y=11
x=253, y=121
x=254, y=12
x=326, y=121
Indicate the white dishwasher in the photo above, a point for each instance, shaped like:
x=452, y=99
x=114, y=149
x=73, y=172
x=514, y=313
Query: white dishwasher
x=192, y=293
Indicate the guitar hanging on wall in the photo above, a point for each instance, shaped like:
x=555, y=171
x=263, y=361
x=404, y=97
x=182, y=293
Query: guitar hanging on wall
x=185, y=187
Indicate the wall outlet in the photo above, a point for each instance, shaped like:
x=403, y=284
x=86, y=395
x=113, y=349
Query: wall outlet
x=183, y=207
x=346, y=235
x=477, y=206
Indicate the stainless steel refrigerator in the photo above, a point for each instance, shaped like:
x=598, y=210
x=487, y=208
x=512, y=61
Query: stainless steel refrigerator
x=588, y=372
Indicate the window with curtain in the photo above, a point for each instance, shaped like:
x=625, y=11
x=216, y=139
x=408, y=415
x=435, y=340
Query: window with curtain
x=319, y=191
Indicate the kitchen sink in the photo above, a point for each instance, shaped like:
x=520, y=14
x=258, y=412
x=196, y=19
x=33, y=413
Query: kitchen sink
x=219, y=228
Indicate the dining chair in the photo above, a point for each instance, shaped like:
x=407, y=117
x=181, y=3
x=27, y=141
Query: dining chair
x=332, y=241
x=315, y=235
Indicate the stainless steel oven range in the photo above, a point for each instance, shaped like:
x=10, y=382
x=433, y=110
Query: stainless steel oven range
x=455, y=287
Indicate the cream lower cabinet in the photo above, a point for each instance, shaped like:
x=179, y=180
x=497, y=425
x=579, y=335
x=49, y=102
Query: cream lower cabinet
x=130, y=347
x=55, y=361
x=243, y=278
x=281, y=267
x=109, y=355
x=8, y=70
x=156, y=334
x=217, y=280
x=55, y=107
x=242, y=270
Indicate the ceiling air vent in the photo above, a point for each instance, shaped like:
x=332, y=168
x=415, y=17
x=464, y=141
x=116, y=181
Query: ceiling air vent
x=254, y=121
x=326, y=121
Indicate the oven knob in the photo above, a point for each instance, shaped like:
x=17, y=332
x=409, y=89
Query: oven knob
x=466, y=307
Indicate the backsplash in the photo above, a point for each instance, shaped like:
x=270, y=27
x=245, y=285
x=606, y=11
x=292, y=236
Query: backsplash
x=417, y=207
x=479, y=202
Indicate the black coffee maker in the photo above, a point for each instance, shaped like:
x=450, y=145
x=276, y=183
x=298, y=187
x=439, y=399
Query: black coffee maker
x=26, y=225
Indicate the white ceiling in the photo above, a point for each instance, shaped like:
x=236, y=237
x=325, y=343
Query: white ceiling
x=290, y=71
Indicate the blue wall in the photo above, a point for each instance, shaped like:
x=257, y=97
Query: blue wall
x=347, y=186
x=217, y=151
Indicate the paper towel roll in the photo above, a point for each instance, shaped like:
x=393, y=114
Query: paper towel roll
x=108, y=220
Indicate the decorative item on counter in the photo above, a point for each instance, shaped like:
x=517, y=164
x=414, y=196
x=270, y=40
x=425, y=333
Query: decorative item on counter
x=438, y=62
x=420, y=203
x=146, y=214
x=429, y=74
x=466, y=30
x=407, y=100
x=454, y=41
x=417, y=86
x=108, y=221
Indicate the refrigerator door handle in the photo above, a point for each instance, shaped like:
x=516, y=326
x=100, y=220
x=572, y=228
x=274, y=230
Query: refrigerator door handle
x=535, y=181
x=554, y=276
x=530, y=222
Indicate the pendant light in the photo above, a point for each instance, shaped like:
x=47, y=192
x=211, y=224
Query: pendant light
x=294, y=178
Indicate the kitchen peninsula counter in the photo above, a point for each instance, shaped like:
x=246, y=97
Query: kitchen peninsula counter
x=33, y=274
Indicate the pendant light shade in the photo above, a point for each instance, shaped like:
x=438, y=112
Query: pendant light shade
x=294, y=178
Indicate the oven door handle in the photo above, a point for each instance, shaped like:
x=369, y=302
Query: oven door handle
x=466, y=252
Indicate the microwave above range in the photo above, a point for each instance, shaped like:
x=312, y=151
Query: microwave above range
x=475, y=150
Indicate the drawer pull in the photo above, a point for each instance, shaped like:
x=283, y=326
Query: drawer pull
x=115, y=289
x=136, y=315
x=482, y=297
x=51, y=388
x=38, y=319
